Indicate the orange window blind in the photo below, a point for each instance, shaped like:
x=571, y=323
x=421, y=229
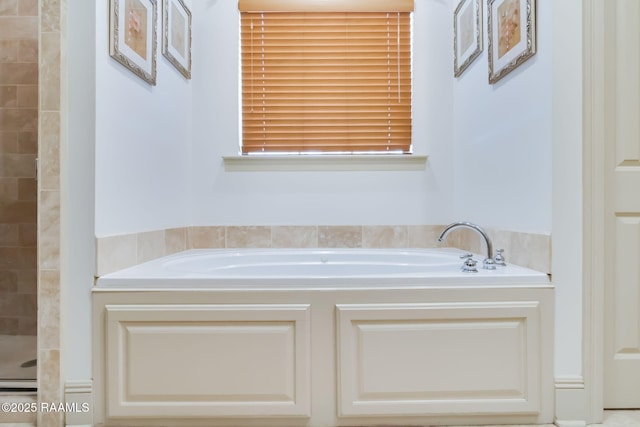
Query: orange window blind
x=326, y=81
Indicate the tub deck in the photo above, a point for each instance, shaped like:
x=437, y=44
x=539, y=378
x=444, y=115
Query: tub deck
x=308, y=268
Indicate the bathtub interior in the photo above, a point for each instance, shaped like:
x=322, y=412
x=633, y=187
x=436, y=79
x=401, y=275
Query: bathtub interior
x=17, y=362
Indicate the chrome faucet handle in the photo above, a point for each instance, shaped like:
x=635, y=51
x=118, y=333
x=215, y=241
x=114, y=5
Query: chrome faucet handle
x=469, y=265
x=489, y=264
x=499, y=258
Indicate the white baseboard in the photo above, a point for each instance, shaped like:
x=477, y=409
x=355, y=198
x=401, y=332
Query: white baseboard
x=79, y=395
x=571, y=399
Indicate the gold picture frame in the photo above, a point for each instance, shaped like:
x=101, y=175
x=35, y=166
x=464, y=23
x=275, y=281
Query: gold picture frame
x=467, y=34
x=176, y=40
x=133, y=36
x=512, y=35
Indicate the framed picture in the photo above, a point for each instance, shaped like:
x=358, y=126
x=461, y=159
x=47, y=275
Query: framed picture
x=133, y=36
x=467, y=34
x=512, y=35
x=176, y=40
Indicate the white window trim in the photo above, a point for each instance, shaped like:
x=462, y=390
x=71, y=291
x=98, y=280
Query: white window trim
x=325, y=162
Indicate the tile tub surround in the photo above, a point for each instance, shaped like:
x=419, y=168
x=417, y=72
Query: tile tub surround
x=18, y=150
x=117, y=252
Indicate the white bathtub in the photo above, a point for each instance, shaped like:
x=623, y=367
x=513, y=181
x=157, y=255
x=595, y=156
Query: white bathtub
x=216, y=268
x=318, y=337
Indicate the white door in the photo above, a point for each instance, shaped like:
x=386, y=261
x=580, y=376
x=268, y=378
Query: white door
x=622, y=206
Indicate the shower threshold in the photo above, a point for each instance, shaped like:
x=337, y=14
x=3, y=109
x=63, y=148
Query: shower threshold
x=19, y=386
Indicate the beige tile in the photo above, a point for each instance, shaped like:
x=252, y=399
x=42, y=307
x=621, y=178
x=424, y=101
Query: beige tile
x=27, y=325
x=205, y=237
x=49, y=386
x=28, y=235
x=17, y=212
x=18, y=165
x=8, y=326
x=530, y=250
x=50, y=18
x=49, y=369
x=14, y=119
x=8, y=50
x=423, y=236
x=50, y=72
x=294, y=237
x=338, y=236
x=49, y=309
x=27, y=189
x=28, y=7
x=8, y=96
x=248, y=237
x=27, y=142
x=18, y=74
x=8, y=281
x=18, y=28
x=28, y=51
x=17, y=305
x=49, y=151
x=8, y=7
x=384, y=236
x=49, y=223
x=114, y=253
x=8, y=190
x=17, y=258
x=9, y=235
x=27, y=280
x=28, y=96
x=150, y=245
x=51, y=419
x=8, y=141
x=467, y=240
x=175, y=240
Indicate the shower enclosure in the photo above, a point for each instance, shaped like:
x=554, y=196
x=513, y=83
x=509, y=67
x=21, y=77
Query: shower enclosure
x=18, y=193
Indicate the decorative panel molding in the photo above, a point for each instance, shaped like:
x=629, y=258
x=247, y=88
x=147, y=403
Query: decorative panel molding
x=445, y=359
x=194, y=361
x=627, y=83
x=626, y=289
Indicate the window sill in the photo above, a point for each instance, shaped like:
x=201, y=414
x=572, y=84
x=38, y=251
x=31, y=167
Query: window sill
x=310, y=163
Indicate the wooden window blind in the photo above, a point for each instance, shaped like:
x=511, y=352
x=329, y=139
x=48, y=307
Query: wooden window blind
x=326, y=81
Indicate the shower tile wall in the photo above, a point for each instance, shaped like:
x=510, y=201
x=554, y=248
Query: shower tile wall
x=18, y=148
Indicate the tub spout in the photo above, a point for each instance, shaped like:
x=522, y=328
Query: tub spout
x=489, y=262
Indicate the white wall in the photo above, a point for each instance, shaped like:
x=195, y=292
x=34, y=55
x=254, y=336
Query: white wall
x=77, y=252
x=518, y=157
x=269, y=198
x=143, y=139
x=502, y=134
x=567, y=185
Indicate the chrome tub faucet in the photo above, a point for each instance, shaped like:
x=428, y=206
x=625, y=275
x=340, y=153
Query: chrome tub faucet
x=489, y=262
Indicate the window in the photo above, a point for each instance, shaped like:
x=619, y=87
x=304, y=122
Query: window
x=331, y=76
